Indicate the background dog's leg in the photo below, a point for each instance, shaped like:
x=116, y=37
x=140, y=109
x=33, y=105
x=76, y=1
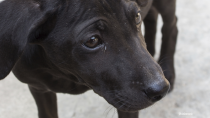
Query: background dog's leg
x=46, y=103
x=150, y=23
x=167, y=10
x=127, y=114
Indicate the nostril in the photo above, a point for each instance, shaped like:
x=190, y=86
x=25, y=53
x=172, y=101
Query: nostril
x=156, y=98
x=156, y=93
x=153, y=96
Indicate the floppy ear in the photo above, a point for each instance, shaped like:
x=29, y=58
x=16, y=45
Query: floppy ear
x=142, y=3
x=18, y=26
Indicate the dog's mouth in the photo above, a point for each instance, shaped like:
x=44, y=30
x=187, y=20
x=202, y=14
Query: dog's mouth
x=126, y=103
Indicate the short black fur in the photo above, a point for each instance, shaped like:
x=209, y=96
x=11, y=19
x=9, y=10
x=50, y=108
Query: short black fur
x=44, y=43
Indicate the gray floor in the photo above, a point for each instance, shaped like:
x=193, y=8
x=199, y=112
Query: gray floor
x=190, y=98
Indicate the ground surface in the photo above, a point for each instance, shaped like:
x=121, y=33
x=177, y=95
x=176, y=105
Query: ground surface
x=192, y=88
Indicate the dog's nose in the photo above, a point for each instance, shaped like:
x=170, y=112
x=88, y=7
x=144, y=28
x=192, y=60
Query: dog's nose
x=157, y=91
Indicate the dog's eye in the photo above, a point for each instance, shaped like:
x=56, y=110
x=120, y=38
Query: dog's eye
x=138, y=18
x=93, y=42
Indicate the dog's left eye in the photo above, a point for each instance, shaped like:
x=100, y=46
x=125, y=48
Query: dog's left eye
x=93, y=42
x=138, y=18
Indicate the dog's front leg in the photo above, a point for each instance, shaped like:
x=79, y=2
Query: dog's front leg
x=46, y=103
x=122, y=114
x=167, y=10
x=150, y=23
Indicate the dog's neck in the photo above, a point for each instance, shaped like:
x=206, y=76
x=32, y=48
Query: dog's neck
x=33, y=53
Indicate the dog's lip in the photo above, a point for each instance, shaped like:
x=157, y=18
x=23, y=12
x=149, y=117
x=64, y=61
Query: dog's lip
x=122, y=104
x=133, y=106
x=97, y=91
x=128, y=107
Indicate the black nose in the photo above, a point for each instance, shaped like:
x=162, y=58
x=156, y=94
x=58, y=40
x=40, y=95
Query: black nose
x=157, y=91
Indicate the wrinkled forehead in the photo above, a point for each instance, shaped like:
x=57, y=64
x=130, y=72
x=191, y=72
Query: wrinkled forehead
x=79, y=14
x=92, y=8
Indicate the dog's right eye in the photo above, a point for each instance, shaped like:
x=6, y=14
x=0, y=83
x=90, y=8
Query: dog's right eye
x=93, y=42
x=138, y=18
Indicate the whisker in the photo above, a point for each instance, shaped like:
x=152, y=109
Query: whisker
x=114, y=113
x=108, y=111
x=165, y=58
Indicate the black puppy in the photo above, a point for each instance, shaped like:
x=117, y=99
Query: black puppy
x=71, y=46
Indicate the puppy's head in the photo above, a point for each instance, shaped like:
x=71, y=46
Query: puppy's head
x=100, y=43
